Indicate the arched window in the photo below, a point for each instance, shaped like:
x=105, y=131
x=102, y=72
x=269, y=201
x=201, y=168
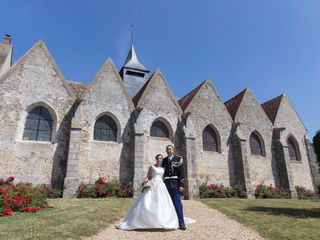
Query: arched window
x=293, y=149
x=256, y=145
x=210, y=140
x=38, y=126
x=105, y=129
x=159, y=129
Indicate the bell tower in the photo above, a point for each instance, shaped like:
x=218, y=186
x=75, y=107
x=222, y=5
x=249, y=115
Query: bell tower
x=133, y=73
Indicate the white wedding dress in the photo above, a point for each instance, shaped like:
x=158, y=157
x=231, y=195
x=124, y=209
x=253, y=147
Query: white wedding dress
x=153, y=208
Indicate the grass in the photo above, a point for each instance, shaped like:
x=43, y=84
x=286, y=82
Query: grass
x=69, y=219
x=274, y=218
x=79, y=218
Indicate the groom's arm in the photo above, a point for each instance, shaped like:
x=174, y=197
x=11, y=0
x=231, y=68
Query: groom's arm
x=181, y=178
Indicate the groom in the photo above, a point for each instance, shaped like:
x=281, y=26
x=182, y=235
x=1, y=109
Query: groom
x=173, y=178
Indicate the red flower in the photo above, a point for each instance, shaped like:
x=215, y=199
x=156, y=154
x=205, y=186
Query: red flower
x=8, y=211
x=28, y=209
x=35, y=209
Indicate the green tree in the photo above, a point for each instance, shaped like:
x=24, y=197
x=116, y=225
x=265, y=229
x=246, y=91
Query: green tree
x=316, y=145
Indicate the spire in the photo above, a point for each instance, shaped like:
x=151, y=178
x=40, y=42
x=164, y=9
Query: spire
x=132, y=60
x=133, y=73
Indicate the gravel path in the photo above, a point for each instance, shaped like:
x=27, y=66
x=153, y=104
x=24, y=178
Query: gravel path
x=210, y=224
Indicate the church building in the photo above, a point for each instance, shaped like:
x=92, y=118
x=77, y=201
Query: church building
x=64, y=133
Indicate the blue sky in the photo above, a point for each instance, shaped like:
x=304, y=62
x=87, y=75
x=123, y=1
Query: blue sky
x=271, y=46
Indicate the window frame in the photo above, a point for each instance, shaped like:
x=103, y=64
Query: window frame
x=216, y=137
x=260, y=142
x=39, y=118
x=294, y=143
x=162, y=124
x=115, y=131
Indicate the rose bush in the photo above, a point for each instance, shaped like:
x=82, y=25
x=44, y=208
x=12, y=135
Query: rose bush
x=21, y=197
x=220, y=191
x=265, y=191
x=102, y=189
x=304, y=193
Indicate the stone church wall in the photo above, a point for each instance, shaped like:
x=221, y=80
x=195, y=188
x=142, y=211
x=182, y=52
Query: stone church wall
x=106, y=158
x=288, y=118
x=23, y=88
x=157, y=104
x=212, y=166
x=314, y=165
x=253, y=118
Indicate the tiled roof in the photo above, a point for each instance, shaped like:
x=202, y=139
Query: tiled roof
x=137, y=97
x=271, y=107
x=233, y=104
x=184, y=101
x=78, y=88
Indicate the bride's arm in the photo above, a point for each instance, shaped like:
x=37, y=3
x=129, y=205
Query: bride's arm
x=148, y=175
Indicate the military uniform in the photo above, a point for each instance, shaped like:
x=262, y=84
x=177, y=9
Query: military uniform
x=173, y=178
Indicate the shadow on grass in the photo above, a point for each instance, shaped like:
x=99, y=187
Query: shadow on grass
x=290, y=212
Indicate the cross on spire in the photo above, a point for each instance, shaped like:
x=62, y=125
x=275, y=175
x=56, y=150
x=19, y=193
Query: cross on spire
x=132, y=25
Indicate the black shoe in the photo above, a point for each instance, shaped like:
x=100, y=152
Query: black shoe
x=183, y=227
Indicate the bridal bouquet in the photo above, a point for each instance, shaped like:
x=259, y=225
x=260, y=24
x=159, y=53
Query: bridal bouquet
x=146, y=184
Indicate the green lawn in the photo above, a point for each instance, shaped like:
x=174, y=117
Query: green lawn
x=78, y=218
x=69, y=219
x=274, y=218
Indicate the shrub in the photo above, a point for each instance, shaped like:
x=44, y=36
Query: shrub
x=21, y=197
x=264, y=191
x=51, y=192
x=220, y=191
x=238, y=191
x=304, y=193
x=86, y=191
x=102, y=188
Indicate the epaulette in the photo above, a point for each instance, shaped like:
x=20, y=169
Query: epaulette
x=177, y=164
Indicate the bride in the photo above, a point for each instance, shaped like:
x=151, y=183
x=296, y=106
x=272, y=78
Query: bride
x=153, y=208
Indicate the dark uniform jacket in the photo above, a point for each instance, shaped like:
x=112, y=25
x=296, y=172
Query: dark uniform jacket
x=173, y=172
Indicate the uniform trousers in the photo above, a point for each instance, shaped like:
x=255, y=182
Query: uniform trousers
x=176, y=199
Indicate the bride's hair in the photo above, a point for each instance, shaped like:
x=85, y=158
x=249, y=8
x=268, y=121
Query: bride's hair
x=159, y=155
